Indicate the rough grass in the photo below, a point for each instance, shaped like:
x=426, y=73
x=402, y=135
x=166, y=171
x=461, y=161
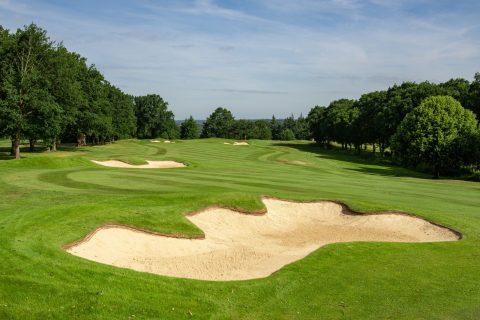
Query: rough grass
x=51, y=199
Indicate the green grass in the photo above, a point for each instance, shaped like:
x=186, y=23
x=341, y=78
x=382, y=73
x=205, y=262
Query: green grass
x=51, y=199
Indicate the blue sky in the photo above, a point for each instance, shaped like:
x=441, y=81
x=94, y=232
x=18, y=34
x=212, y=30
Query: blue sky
x=260, y=58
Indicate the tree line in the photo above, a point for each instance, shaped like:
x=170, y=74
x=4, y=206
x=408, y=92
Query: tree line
x=424, y=125
x=50, y=94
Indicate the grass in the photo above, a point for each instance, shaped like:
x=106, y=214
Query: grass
x=51, y=199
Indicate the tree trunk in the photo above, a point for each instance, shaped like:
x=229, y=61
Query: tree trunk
x=17, y=149
x=436, y=172
x=54, y=145
x=12, y=148
x=32, y=145
x=374, y=148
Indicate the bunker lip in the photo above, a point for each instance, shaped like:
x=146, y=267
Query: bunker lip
x=151, y=164
x=229, y=252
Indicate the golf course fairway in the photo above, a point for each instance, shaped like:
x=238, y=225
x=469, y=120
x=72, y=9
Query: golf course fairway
x=51, y=200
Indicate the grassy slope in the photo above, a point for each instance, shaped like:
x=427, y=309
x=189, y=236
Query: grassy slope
x=49, y=200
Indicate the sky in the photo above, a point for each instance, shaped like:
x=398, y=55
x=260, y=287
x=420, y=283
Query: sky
x=261, y=57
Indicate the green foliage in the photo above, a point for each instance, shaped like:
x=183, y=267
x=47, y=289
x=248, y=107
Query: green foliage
x=261, y=130
x=189, y=129
x=219, y=124
x=435, y=133
x=317, y=122
x=154, y=119
x=341, y=114
x=473, y=100
x=48, y=93
x=287, y=135
x=302, y=129
x=275, y=128
x=242, y=129
x=28, y=107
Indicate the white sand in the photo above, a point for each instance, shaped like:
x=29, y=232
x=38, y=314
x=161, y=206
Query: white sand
x=243, y=143
x=156, y=141
x=239, y=246
x=150, y=164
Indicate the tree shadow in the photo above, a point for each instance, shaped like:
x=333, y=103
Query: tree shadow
x=367, y=162
x=25, y=150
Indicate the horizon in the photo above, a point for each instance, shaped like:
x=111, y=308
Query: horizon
x=261, y=58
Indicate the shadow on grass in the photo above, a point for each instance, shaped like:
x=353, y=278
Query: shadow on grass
x=366, y=162
x=25, y=150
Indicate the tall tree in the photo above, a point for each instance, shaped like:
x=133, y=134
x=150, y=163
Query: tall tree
x=341, y=115
x=473, y=101
x=243, y=129
x=219, y=124
x=436, y=133
x=26, y=61
x=189, y=129
x=261, y=130
x=123, y=117
x=302, y=131
x=154, y=119
x=370, y=126
x=275, y=128
x=317, y=123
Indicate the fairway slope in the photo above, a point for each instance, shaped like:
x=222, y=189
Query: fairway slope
x=244, y=246
x=149, y=165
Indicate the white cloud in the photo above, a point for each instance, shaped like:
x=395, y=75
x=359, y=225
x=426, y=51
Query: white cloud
x=258, y=66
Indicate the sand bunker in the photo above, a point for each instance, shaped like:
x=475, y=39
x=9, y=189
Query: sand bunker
x=149, y=165
x=237, y=143
x=242, y=246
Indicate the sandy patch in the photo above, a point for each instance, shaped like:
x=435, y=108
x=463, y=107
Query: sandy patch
x=237, y=143
x=241, y=246
x=149, y=165
x=156, y=141
x=303, y=163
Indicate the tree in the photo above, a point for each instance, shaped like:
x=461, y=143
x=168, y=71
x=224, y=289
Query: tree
x=287, y=135
x=243, y=129
x=261, y=130
x=219, y=124
x=302, y=130
x=457, y=89
x=341, y=115
x=370, y=125
x=317, y=123
x=473, y=100
x=153, y=118
x=436, y=133
x=275, y=128
x=123, y=117
x=289, y=123
x=189, y=129
x=25, y=63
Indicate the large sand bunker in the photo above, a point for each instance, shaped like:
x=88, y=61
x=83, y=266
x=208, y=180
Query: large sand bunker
x=242, y=246
x=149, y=165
